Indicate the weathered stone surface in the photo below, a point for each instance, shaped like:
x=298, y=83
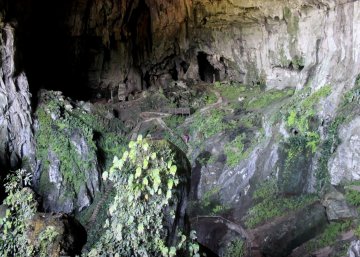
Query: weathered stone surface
x=281, y=236
x=343, y=166
x=337, y=207
x=16, y=136
x=216, y=233
x=354, y=249
x=68, y=174
x=70, y=235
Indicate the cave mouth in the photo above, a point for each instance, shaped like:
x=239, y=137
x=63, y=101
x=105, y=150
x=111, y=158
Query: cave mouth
x=207, y=72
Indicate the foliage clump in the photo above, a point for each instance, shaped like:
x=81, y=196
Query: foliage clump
x=208, y=204
x=329, y=236
x=20, y=206
x=145, y=181
x=236, y=248
x=270, y=203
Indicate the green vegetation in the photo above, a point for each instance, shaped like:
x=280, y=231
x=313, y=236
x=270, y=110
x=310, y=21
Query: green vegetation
x=55, y=136
x=352, y=195
x=209, y=124
x=264, y=99
x=209, y=204
x=145, y=180
x=46, y=238
x=329, y=236
x=234, y=150
x=21, y=207
x=231, y=91
x=271, y=204
x=236, y=249
x=66, y=135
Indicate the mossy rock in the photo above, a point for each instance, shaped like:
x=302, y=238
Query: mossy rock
x=56, y=235
x=294, y=168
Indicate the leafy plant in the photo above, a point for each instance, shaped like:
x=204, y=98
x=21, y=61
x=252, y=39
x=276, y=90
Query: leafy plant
x=20, y=208
x=46, y=239
x=236, y=249
x=145, y=179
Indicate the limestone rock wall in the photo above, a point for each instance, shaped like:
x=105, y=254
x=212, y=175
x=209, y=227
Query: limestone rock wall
x=16, y=135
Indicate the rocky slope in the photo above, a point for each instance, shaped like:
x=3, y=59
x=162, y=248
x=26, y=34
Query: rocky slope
x=268, y=92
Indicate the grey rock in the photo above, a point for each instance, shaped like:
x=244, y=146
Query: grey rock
x=71, y=180
x=16, y=136
x=55, y=176
x=343, y=166
x=354, y=249
x=337, y=207
x=280, y=237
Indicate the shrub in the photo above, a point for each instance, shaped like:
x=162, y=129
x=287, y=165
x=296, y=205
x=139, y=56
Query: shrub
x=144, y=179
x=21, y=207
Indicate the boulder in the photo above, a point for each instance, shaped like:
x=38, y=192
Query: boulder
x=337, y=207
x=279, y=237
x=68, y=174
x=354, y=249
x=57, y=235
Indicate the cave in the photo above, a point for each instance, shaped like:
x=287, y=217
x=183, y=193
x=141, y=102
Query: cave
x=179, y=128
x=207, y=72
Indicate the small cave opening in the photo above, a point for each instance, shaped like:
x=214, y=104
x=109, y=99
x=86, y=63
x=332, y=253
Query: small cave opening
x=207, y=72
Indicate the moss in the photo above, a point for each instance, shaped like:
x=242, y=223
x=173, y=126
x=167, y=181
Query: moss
x=209, y=124
x=264, y=99
x=208, y=204
x=234, y=150
x=298, y=63
x=329, y=236
x=55, y=135
x=271, y=204
x=352, y=195
x=230, y=91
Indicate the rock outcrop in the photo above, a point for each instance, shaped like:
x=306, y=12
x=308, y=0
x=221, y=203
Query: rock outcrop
x=343, y=165
x=17, y=144
x=68, y=172
x=56, y=235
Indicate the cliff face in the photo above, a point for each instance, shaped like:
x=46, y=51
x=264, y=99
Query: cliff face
x=285, y=109
x=16, y=135
x=126, y=46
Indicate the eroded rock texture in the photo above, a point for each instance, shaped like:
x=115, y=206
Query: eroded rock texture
x=16, y=136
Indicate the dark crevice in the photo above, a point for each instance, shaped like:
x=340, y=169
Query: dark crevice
x=207, y=72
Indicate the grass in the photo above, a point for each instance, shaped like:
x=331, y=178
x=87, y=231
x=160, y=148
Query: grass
x=264, y=99
x=231, y=91
x=270, y=204
x=209, y=124
x=329, y=236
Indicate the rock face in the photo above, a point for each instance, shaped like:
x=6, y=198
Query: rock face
x=16, y=136
x=63, y=235
x=68, y=171
x=344, y=163
x=283, y=235
x=246, y=41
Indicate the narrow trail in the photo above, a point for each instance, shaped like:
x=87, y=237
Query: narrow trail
x=93, y=218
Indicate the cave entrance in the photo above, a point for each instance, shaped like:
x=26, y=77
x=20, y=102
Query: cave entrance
x=207, y=71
